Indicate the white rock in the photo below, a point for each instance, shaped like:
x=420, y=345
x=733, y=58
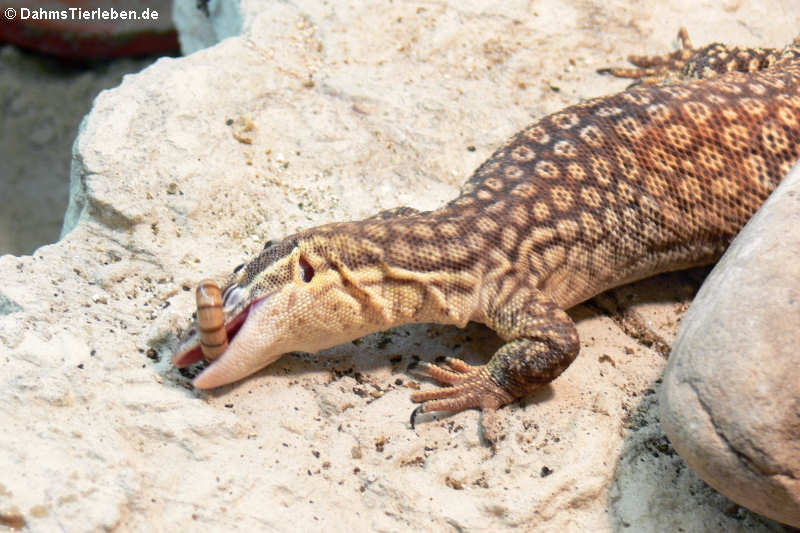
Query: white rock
x=731, y=394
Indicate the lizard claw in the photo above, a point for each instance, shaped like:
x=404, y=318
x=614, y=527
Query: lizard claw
x=469, y=387
x=653, y=70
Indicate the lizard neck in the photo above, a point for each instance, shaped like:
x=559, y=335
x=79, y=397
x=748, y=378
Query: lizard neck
x=426, y=267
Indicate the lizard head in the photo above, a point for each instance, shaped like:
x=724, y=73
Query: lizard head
x=298, y=294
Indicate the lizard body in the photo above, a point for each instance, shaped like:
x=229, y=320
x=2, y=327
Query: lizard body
x=659, y=177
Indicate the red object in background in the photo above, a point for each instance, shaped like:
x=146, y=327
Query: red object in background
x=89, y=29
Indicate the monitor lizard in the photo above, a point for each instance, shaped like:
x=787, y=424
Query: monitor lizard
x=656, y=178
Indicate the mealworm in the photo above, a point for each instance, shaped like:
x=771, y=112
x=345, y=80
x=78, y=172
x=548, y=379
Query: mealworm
x=210, y=320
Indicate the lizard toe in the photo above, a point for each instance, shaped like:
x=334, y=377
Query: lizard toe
x=655, y=69
x=466, y=387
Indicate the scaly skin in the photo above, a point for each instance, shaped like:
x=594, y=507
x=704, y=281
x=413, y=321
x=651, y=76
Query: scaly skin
x=659, y=177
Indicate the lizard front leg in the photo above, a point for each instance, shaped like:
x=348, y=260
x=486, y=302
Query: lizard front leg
x=698, y=63
x=542, y=342
x=652, y=70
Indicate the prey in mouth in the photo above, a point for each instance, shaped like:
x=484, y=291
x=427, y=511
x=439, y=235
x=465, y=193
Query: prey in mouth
x=299, y=294
x=210, y=336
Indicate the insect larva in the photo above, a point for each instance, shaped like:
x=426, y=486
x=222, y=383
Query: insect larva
x=210, y=320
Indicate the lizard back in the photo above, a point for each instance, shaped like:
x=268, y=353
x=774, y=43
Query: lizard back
x=626, y=186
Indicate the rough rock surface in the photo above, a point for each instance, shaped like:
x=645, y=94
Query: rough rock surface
x=319, y=113
x=729, y=402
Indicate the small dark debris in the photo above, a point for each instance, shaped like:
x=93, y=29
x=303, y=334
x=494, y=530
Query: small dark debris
x=416, y=461
x=186, y=372
x=735, y=511
x=481, y=482
x=454, y=483
x=658, y=446
x=471, y=148
x=80, y=366
x=380, y=443
x=545, y=472
x=12, y=520
x=229, y=406
x=384, y=342
x=605, y=358
x=202, y=5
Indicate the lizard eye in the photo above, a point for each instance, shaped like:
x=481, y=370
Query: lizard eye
x=307, y=271
x=238, y=268
x=232, y=295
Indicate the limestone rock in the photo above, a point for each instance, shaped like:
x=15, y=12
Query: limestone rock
x=323, y=111
x=731, y=393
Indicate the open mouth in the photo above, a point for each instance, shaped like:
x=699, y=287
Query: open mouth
x=193, y=353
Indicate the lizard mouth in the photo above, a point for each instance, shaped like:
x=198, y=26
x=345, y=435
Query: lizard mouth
x=191, y=354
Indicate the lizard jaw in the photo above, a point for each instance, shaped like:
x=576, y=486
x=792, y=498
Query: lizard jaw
x=191, y=353
x=245, y=355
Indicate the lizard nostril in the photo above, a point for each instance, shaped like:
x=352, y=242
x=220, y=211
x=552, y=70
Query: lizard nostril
x=307, y=270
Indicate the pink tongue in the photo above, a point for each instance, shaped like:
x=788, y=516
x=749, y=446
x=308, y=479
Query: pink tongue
x=195, y=354
x=188, y=357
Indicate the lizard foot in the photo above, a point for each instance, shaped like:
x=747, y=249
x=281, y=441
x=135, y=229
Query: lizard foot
x=652, y=70
x=469, y=387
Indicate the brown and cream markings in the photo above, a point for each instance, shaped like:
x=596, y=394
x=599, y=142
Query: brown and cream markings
x=659, y=177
